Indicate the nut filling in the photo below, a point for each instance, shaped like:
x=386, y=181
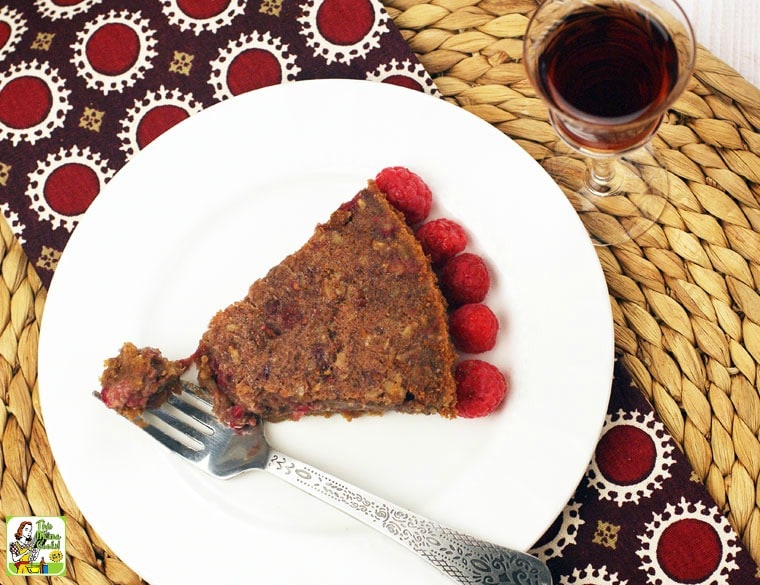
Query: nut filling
x=353, y=322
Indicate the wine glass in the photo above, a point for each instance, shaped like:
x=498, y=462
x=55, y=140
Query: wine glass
x=608, y=70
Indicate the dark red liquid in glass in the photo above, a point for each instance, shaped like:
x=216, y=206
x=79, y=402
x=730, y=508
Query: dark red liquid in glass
x=606, y=66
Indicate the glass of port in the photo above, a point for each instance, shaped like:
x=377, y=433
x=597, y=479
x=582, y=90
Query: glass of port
x=608, y=71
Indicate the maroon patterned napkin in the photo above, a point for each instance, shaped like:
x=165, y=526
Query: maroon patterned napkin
x=85, y=84
x=640, y=516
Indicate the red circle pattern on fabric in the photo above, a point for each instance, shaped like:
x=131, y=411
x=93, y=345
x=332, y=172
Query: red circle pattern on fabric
x=689, y=550
x=5, y=33
x=626, y=454
x=345, y=22
x=403, y=81
x=25, y=102
x=71, y=188
x=202, y=9
x=253, y=69
x=157, y=121
x=113, y=49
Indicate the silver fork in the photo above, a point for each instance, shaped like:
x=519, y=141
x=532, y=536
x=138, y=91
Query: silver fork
x=188, y=428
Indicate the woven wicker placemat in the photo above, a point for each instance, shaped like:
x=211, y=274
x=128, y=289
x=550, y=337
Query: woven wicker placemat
x=684, y=295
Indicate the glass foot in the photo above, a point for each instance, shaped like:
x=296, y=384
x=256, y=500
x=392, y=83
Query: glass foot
x=623, y=209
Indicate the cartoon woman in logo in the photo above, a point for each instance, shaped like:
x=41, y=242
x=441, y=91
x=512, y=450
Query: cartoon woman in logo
x=22, y=551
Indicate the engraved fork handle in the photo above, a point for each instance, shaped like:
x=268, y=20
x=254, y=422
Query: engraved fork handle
x=461, y=557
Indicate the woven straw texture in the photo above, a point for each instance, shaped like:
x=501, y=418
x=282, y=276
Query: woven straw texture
x=685, y=295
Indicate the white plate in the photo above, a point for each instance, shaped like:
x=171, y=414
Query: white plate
x=183, y=229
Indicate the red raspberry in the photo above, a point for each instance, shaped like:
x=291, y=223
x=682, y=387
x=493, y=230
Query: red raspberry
x=441, y=239
x=481, y=388
x=406, y=191
x=474, y=328
x=465, y=279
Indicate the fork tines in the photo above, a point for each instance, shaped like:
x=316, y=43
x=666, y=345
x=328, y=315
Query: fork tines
x=184, y=424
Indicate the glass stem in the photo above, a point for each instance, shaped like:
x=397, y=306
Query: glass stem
x=602, y=177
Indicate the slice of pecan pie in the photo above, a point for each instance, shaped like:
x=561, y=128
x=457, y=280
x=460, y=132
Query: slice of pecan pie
x=353, y=322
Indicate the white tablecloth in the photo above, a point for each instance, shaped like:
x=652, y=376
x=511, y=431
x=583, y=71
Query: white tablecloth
x=730, y=29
